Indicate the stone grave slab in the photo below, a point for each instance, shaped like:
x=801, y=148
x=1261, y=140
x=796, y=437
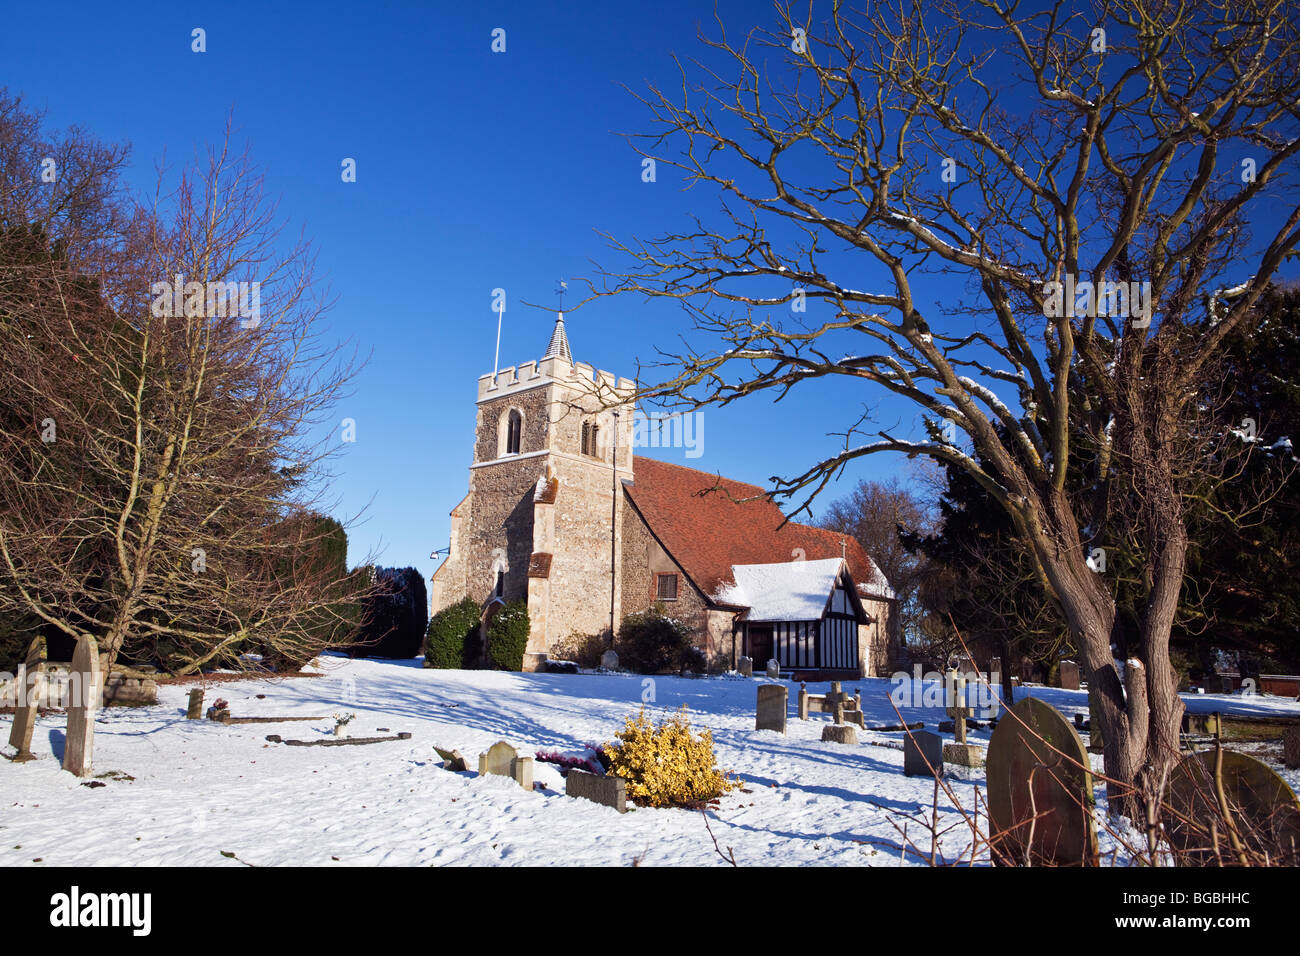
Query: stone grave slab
x=921, y=746
x=1069, y=673
x=606, y=790
x=773, y=702
x=28, y=703
x=85, y=689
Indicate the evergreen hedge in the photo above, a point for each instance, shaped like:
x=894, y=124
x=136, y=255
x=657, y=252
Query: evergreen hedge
x=508, y=636
x=452, y=636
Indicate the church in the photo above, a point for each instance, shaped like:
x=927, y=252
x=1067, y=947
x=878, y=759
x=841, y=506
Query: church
x=562, y=513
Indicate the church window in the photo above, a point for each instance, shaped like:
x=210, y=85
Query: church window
x=666, y=587
x=500, y=589
x=589, y=439
x=514, y=431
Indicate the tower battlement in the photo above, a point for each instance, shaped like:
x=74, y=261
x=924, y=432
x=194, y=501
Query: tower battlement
x=527, y=375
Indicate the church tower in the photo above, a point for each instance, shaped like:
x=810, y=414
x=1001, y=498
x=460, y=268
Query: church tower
x=552, y=448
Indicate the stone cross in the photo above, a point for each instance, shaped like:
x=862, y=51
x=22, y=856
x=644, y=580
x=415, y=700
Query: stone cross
x=836, y=697
x=959, y=711
x=25, y=707
x=85, y=689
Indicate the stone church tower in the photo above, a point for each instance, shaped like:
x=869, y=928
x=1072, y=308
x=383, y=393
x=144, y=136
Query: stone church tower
x=552, y=448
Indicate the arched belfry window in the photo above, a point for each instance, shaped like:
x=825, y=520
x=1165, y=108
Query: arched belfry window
x=514, y=431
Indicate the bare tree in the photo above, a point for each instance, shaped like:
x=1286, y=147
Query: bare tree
x=1026, y=152
x=877, y=514
x=161, y=455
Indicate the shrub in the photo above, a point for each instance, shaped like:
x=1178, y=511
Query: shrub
x=692, y=659
x=393, y=616
x=583, y=649
x=452, y=638
x=667, y=766
x=651, y=642
x=508, y=636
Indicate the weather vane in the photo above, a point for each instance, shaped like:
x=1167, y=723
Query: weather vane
x=560, y=292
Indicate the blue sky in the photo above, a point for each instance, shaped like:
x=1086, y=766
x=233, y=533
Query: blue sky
x=475, y=170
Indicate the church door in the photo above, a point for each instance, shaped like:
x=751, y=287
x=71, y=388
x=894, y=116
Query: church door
x=760, y=644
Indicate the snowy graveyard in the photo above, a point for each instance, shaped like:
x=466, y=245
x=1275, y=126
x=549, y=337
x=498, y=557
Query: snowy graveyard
x=167, y=790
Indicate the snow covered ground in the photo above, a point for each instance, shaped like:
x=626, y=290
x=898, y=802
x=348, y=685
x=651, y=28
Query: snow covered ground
x=202, y=789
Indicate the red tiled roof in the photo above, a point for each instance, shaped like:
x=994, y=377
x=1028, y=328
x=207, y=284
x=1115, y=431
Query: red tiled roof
x=708, y=533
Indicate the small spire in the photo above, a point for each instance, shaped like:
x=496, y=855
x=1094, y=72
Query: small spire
x=559, y=347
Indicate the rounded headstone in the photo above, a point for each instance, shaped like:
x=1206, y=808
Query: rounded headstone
x=1263, y=808
x=774, y=668
x=1038, y=770
x=609, y=660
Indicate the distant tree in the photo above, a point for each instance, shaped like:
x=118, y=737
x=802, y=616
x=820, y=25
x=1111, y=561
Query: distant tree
x=878, y=514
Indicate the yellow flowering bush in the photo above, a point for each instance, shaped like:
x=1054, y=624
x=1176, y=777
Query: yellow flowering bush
x=666, y=766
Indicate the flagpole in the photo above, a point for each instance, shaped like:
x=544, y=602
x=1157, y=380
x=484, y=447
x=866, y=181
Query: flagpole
x=496, y=359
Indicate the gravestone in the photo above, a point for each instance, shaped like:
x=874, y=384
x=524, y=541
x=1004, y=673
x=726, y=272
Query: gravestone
x=745, y=666
x=1263, y=809
x=195, y=709
x=773, y=702
x=85, y=690
x=919, y=747
x=28, y=703
x=1069, y=672
x=1209, y=725
x=840, y=734
x=774, y=669
x=610, y=791
x=503, y=760
x=609, y=660
x=1291, y=748
x=1040, y=789
x=452, y=760
x=836, y=697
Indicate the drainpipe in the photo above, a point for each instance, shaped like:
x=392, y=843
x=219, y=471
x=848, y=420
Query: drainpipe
x=613, y=528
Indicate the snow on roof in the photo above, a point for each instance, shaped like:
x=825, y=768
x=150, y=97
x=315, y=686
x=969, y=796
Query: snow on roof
x=790, y=591
x=878, y=586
